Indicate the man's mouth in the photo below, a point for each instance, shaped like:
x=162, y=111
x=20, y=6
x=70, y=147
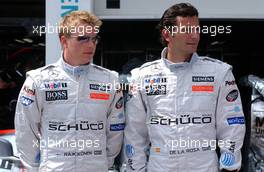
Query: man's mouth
x=190, y=43
x=88, y=53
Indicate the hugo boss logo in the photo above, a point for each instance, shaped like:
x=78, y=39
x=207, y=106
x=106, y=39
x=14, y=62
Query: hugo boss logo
x=232, y=96
x=56, y=95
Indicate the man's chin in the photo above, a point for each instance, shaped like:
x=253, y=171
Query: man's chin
x=192, y=50
x=88, y=59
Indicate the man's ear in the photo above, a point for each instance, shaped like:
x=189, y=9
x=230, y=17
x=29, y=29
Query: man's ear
x=63, y=41
x=166, y=34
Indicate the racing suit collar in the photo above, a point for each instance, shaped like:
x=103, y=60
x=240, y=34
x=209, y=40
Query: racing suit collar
x=74, y=70
x=173, y=66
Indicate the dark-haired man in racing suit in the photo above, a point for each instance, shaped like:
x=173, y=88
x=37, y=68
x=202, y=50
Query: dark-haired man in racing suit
x=182, y=105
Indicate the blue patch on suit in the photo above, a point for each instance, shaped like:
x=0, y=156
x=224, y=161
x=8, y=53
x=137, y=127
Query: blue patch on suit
x=117, y=127
x=236, y=120
x=129, y=151
x=26, y=101
x=228, y=159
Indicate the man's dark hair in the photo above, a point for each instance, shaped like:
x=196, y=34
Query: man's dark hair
x=168, y=17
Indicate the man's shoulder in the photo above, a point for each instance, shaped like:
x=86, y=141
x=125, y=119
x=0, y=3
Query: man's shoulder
x=104, y=71
x=213, y=62
x=147, y=68
x=40, y=70
x=150, y=65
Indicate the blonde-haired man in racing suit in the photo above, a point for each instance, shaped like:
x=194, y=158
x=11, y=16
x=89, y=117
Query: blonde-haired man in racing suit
x=69, y=116
x=181, y=105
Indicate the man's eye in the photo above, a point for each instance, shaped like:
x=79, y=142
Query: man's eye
x=81, y=38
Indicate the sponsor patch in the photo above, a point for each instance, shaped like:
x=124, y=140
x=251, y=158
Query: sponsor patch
x=56, y=95
x=99, y=87
x=98, y=152
x=259, y=122
x=53, y=73
x=232, y=146
x=120, y=116
x=130, y=151
x=236, y=120
x=130, y=163
x=74, y=154
x=232, y=96
x=155, y=80
x=156, y=90
x=55, y=85
x=155, y=67
x=203, y=79
x=235, y=108
x=117, y=127
x=228, y=159
x=185, y=119
x=26, y=101
x=28, y=91
x=82, y=126
x=229, y=83
x=202, y=88
x=119, y=103
x=37, y=158
x=157, y=150
x=100, y=96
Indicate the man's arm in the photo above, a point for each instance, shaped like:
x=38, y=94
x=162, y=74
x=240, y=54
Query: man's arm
x=136, y=132
x=115, y=127
x=230, y=124
x=27, y=122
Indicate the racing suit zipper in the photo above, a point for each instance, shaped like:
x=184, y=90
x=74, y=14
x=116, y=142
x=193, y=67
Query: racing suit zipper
x=76, y=110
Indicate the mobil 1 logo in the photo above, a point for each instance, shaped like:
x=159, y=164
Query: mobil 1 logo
x=56, y=95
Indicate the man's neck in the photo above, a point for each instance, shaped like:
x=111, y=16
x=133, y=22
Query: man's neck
x=178, y=58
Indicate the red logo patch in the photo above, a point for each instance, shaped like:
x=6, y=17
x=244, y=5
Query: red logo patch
x=203, y=88
x=100, y=96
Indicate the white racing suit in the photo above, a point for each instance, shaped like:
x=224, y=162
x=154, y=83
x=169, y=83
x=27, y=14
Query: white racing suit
x=177, y=112
x=69, y=119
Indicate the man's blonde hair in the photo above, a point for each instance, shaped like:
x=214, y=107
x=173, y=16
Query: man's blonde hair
x=74, y=18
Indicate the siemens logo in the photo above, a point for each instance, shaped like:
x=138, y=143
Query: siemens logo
x=203, y=78
x=184, y=119
x=99, y=87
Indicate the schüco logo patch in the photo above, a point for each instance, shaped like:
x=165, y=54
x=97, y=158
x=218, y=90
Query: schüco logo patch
x=202, y=88
x=100, y=96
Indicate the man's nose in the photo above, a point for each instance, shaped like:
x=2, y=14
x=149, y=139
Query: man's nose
x=195, y=35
